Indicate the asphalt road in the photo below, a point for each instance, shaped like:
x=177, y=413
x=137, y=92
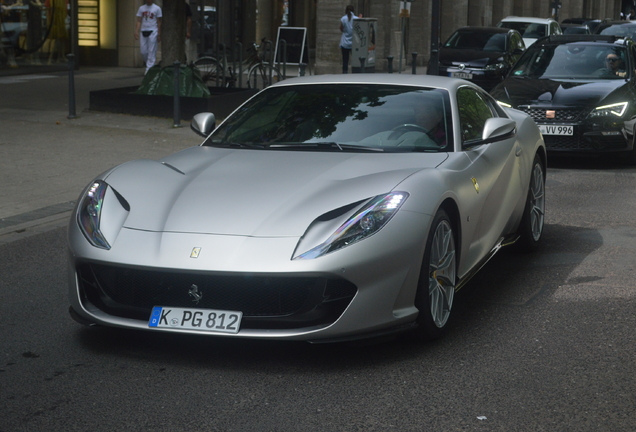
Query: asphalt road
x=541, y=342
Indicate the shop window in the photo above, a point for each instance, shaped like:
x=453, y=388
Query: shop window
x=88, y=23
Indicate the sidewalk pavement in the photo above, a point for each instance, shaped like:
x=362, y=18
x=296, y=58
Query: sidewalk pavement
x=47, y=159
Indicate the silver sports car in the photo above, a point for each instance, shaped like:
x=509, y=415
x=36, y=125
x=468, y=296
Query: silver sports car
x=325, y=208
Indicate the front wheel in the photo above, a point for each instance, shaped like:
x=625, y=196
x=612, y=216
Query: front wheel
x=531, y=227
x=438, y=278
x=261, y=76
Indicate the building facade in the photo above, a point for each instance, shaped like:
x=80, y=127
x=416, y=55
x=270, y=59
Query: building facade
x=101, y=32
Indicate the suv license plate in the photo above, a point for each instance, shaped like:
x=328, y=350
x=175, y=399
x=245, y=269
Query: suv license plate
x=462, y=75
x=557, y=130
x=205, y=320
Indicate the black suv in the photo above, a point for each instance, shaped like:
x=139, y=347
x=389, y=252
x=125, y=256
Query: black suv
x=483, y=55
x=580, y=90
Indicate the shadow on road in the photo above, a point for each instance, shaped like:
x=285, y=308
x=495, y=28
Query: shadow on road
x=510, y=280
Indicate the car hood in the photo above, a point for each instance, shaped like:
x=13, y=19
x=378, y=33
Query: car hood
x=264, y=193
x=546, y=92
x=469, y=57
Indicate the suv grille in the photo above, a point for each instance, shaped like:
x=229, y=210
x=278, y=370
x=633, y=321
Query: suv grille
x=563, y=115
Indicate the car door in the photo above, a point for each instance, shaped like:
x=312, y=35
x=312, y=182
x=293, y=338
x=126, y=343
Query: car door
x=494, y=171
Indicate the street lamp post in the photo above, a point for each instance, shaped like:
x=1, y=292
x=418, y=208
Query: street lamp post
x=435, y=33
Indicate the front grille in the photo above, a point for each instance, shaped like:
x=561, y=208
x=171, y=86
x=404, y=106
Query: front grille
x=266, y=301
x=562, y=115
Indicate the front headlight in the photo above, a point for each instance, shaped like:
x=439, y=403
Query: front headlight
x=494, y=67
x=364, y=223
x=89, y=214
x=613, y=110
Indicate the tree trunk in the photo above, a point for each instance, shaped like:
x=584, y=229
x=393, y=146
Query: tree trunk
x=173, y=27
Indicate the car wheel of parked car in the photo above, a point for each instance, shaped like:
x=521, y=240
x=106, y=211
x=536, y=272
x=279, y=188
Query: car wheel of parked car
x=438, y=276
x=531, y=227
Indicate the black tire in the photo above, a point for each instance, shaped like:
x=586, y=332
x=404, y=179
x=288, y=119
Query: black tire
x=531, y=226
x=438, y=279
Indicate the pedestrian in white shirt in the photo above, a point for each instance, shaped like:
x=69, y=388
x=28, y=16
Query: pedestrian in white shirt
x=149, y=25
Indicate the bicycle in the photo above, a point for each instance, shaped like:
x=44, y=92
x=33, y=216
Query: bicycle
x=214, y=71
x=260, y=73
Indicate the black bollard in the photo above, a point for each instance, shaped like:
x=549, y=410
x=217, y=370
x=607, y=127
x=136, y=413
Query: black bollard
x=362, y=59
x=390, y=64
x=302, y=67
x=177, y=102
x=414, y=55
x=71, y=86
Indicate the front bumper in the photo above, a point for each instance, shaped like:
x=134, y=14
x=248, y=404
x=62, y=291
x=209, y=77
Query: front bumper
x=588, y=140
x=592, y=136
x=365, y=289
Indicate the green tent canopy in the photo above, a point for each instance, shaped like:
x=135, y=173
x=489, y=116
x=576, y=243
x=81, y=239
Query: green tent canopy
x=159, y=81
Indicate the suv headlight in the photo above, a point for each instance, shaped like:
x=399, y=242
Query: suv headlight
x=494, y=67
x=613, y=110
x=363, y=224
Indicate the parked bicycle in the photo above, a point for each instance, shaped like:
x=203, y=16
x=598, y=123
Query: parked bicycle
x=222, y=72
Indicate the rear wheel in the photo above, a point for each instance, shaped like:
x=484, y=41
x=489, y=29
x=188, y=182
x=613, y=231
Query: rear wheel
x=210, y=70
x=531, y=227
x=438, y=278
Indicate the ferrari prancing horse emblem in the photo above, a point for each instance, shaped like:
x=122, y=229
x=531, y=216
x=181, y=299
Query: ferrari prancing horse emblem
x=195, y=252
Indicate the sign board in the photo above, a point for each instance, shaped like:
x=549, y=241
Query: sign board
x=405, y=9
x=296, y=51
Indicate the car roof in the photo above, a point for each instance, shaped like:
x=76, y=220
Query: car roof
x=608, y=24
x=430, y=81
x=610, y=39
x=527, y=19
x=578, y=20
x=479, y=29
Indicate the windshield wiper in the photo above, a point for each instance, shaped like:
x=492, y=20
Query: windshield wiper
x=327, y=145
x=237, y=145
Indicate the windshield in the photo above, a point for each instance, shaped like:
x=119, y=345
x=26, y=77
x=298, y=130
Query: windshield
x=527, y=30
x=341, y=117
x=573, y=61
x=477, y=41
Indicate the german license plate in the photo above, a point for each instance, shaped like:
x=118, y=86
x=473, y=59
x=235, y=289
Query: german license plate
x=205, y=320
x=462, y=75
x=557, y=130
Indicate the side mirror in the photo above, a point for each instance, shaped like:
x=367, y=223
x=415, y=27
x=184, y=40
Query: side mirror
x=497, y=129
x=203, y=124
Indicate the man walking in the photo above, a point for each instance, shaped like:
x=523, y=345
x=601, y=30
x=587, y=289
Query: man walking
x=149, y=24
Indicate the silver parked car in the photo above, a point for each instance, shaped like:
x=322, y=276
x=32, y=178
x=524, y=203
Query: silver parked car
x=325, y=208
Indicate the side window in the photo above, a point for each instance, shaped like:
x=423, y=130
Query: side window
x=516, y=41
x=474, y=110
